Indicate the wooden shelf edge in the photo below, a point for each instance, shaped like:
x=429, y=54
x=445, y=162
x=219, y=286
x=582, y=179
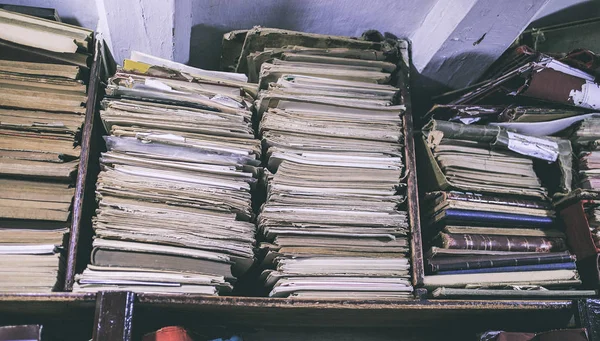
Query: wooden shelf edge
x=44, y=307
x=66, y=297
x=269, y=312
x=204, y=302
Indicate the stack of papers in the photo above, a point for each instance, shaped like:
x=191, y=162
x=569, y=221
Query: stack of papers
x=490, y=161
x=485, y=158
x=42, y=106
x=586, y=140
x=585, y=137
x=175, y=212
x=487, y=221
x=30, y=255
x=592, y=212
x=31, y=39
x=332, y=226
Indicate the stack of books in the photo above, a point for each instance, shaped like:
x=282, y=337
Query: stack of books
x=42, y=106
x=332, y=225
x=175, y=211
x=586, y=138
x=489, y=223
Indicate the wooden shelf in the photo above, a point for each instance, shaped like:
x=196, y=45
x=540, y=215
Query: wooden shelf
x=64, y=316
x=203, y=302
x=273, y=319
x=60, y=304
x=252, y=311
x=118, y=313
x=113, y=315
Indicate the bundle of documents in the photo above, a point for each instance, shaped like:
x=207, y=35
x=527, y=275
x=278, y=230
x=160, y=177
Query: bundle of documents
x=331, y=224
x=31, y=258
x=585, y=139
x=487, y=218
x=528, y=76
x=31, y=39
x=42, y=106
x=592, y=212
x=523, y=116
x=175, y=212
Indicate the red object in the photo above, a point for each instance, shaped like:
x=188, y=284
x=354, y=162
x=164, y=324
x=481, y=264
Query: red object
x=172, y=333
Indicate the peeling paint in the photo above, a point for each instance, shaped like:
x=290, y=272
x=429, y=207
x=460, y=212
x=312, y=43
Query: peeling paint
x=587, y=97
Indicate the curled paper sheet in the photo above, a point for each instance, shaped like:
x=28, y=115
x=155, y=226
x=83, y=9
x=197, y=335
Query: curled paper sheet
x=544, y=128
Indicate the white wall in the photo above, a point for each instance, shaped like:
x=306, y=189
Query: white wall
x=146, y=25
x=191, y=30
x=212, y=18
x=560, y=11
x=138, y=25
x=143, y=25
x=77, y=12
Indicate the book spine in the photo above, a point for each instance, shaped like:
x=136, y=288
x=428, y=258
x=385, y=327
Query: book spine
x=488, y=199
x=499, y=219
x=499, y=261
x=539, y=267
x=501, y=243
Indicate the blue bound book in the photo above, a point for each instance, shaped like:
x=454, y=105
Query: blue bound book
x=479, y=218
x=518, y=268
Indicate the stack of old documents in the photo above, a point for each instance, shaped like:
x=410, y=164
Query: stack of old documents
x=41, y=113
x=586, y=139
x=175, y=211
x=497, y=170
x=487, y=218
x=331, y=224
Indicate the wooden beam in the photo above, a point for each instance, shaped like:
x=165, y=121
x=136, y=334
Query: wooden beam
x=588, y=317
x=114, y=315
x=459, y=40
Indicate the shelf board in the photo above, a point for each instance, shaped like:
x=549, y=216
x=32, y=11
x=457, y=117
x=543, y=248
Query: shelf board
x=58, y=304
x=255, y=311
